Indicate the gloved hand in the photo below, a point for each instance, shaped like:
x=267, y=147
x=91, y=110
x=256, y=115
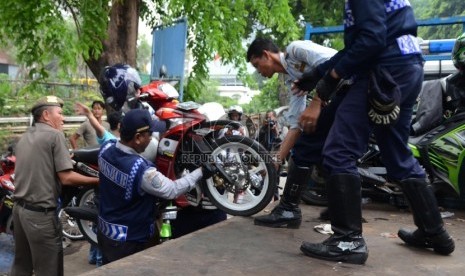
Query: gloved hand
x=208, y=170
x=326, y=87
x=308, y=80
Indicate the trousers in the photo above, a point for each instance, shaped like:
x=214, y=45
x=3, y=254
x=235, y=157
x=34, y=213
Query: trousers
x=38, y=243
x=348, y=137
x=308, y=148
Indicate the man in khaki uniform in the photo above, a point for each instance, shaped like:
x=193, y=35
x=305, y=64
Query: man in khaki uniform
x=43, y=164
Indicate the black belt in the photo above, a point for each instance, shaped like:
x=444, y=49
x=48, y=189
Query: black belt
x=35, y=208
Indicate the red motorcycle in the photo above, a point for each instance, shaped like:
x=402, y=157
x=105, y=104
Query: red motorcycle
x=71, y=196
x=7, y=188
x=246, y=181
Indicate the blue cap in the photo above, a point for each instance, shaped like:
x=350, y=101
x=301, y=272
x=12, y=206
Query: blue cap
x=138, y=120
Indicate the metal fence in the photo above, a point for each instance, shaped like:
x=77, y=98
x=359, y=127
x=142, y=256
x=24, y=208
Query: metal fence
x=18, y=125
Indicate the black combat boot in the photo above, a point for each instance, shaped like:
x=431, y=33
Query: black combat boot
x=287, y=213
x=347, y=243
x=423, y=204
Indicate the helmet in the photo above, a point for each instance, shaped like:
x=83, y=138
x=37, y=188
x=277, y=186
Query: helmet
x=235, y=109
x=458, y=53
x=118, y=83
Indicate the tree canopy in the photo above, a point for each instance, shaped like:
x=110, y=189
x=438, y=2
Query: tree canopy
x=105, y=32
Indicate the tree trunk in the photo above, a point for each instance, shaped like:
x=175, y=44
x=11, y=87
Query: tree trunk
x=121, y=44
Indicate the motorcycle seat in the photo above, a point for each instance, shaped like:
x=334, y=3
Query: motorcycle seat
x=88, y=155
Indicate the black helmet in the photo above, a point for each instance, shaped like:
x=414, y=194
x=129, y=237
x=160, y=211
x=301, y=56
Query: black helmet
x=117, y=83
x=458, y=53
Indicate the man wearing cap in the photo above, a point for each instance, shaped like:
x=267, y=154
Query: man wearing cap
x=37, y=230
x=129, y=187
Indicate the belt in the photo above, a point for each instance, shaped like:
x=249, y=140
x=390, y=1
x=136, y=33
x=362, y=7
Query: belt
x=35, y=208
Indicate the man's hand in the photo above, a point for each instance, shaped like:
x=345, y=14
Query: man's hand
x=326, y=87
x=81, y=109
x=306, y=83
x=308, y=119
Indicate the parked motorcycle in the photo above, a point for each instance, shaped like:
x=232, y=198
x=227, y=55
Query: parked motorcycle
x=7, y=188
x=70, y=197
x=437, y=141
x=246, y=181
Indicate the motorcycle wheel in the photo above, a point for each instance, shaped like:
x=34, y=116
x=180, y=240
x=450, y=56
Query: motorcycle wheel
x=314, y=197
x=9, y=225
x=69, y=226
x=250, y=166
x=85, y=226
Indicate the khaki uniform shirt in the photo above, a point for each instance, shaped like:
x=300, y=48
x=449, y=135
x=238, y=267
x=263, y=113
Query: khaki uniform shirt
x=87, y=132
x=40, y=154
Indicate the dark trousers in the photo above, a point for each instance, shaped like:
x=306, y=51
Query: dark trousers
x=190, y=219
x=348, y=137
x=38, y=243
x=114, y=250
x=307, y=150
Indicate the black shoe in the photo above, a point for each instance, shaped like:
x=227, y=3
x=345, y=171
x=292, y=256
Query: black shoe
x=281, y=216
x=350, y=250
x=442, y=243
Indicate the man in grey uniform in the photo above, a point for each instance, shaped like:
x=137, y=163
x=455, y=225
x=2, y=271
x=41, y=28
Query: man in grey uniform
x=43, y=164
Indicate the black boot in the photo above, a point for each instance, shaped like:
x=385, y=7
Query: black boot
x=430, y=232
x=347, y=243
x=287, y=213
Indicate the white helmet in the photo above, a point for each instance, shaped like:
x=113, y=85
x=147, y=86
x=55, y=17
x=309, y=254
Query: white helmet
x=235, y=109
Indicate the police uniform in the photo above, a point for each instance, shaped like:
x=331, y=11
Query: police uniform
x=40, y=154
x=130, y=185
x=377, y=34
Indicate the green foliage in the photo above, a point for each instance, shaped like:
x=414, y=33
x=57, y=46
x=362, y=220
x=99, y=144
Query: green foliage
x=5, y=90
x=209, y=93
x=219, y=27
x=321, y=14
x=425, y=9
x=40, y=31
x=17, y=101
x=268, y=97
x=144, y=54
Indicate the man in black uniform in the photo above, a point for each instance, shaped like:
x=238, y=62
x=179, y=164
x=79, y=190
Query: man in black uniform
x=381, y=50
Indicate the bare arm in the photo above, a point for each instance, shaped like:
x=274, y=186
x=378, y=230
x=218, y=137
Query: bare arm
x=84, y=110
x=288, y=143
x=73, y=140
x=70, y=178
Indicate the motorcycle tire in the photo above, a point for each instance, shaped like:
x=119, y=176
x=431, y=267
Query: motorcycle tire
x=10, y=226
x=314, y=197
x=69, y=226
x=87, y=228
x=245, y=161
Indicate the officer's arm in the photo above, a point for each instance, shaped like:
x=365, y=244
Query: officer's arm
x=70, y=178
x=155, y=183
